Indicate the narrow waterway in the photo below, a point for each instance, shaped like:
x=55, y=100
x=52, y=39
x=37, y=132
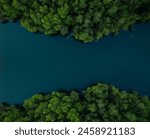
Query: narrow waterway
x=31, y=63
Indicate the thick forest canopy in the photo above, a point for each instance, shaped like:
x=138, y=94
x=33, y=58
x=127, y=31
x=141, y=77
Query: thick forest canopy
x=100, y=102
x=86, y=20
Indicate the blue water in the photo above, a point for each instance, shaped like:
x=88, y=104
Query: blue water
x=31, y=63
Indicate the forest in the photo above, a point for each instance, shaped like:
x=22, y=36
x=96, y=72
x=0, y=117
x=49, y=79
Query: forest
x=97, y=103
x=85, y=20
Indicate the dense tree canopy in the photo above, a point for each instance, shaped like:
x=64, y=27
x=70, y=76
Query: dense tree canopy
x=86, y=20
x=100, y=102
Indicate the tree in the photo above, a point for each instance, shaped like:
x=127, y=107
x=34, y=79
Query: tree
x=97, y=103
x=87, y=20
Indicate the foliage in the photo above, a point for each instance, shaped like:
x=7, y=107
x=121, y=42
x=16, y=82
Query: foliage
x=87, y=20
x=100, y=102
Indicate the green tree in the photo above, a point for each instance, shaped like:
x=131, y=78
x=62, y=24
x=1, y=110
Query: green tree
x=87, y=20
x=97, y=103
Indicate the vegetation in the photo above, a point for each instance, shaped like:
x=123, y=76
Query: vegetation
x=99, y=102
x=86, y=20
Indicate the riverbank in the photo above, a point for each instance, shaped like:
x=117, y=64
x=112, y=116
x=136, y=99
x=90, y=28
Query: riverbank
x=96, y=103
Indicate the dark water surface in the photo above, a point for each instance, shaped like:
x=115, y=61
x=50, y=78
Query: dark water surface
x=31, y=63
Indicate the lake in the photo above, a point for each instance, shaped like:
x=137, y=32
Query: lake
x=32, y=63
